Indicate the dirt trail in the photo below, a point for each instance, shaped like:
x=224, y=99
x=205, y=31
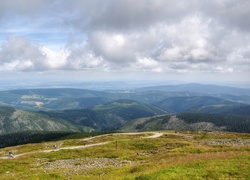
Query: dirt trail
x=155, y=135
x=75, y=147
x=57, y=149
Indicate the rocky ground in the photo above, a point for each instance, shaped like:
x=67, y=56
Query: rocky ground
x=228, y=142
x=87, y=163
x=81, y=165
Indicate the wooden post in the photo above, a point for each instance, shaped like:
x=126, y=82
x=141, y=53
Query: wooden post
x=116, y=145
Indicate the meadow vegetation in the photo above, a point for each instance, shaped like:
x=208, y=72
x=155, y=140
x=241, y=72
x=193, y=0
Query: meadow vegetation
x=173, y=155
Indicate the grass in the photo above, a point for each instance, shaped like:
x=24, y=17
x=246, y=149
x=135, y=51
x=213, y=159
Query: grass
x=233, y=168
x=171, y=156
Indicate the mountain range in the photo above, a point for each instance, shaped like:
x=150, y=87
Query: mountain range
x=82, y=110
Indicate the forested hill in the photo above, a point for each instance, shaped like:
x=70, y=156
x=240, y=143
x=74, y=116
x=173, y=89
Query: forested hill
x=110, y=116
x=234, y=123
x=60, y=109
x=13, y=120
x=200, y=88
x=190, y=121
x=182, y=104
x=55, y=99
x=240, y=109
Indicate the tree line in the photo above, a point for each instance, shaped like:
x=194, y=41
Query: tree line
x=234, y=123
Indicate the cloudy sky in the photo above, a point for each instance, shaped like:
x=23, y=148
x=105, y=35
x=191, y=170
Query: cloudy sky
x=184, y=40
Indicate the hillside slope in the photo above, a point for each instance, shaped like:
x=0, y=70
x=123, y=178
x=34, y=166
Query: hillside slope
x=48, y=99
x=190, y=121
x=132, y=156
x=12, y=120
x=52, y=99
x=181, y=104
x=200, y=88
x=222, y=109
x=109, y=116
x=63, y=98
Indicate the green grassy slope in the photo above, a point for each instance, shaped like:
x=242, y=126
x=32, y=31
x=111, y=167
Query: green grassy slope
x=182, y=155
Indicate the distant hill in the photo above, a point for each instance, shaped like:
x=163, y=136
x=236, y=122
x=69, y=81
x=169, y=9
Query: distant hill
x=200, y=88
x=12, y=120
x=50, y=99
x=222, y=109
x=58, y=92
x=149, y=96
x=182, y=104
x=65, y=108
x=63, y=99
x=191, y=122
x=74, y=103
x=109, y=116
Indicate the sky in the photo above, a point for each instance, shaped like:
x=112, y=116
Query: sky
x=204, y=41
